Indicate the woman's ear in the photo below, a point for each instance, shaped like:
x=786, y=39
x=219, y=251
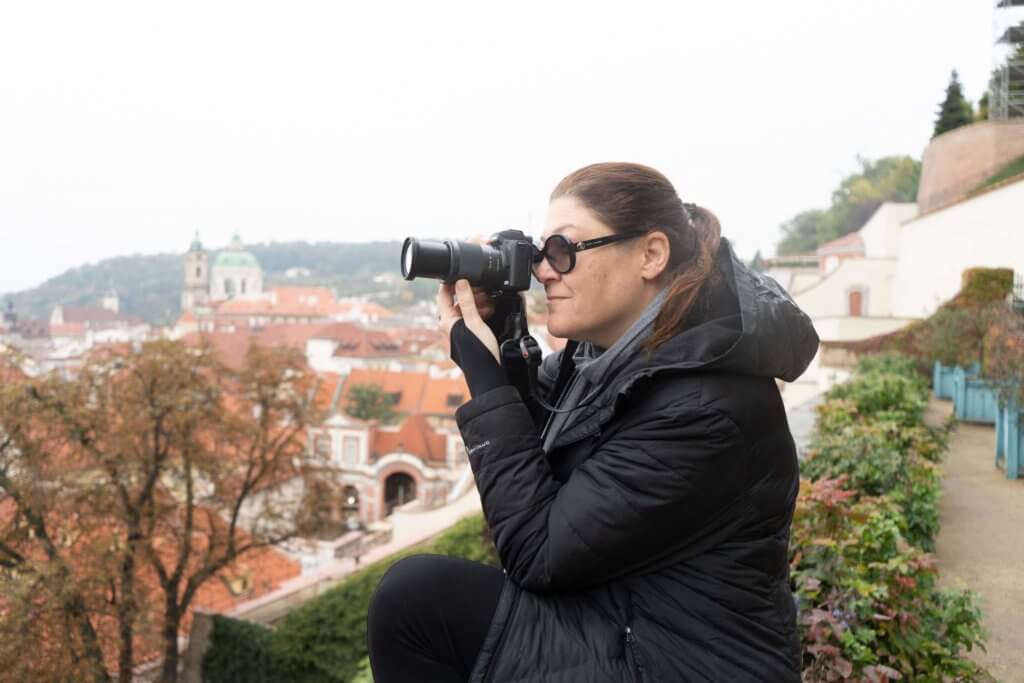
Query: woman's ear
x=656, y=255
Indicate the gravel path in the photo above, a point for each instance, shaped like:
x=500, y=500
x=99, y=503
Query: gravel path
x=981, y=542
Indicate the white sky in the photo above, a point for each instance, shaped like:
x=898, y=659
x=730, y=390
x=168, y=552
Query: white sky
x=125, y=126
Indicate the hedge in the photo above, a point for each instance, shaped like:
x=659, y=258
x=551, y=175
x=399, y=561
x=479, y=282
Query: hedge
x=324, y=640
x=865, y=522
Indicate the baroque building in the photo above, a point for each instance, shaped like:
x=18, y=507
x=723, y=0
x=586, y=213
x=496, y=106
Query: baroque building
x=232, y=273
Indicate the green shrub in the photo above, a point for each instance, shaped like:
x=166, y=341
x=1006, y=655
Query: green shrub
x=862, y=451
x=870, y=609
x=885, y=396
x=324, y=640
x=889, y=363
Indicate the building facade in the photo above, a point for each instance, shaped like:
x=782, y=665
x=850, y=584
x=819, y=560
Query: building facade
x=232, y=273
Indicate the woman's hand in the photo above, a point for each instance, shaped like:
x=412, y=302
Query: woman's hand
x=473, y=306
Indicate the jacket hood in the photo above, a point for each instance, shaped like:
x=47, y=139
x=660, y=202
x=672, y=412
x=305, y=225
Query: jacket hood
x=745, y=322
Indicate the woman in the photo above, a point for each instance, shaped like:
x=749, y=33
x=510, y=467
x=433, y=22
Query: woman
x=643, y=528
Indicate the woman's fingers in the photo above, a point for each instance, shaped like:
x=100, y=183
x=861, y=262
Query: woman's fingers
x=467, y=303
x=447, y=311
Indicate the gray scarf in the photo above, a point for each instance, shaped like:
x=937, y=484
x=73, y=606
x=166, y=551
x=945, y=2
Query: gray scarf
x=595, y=365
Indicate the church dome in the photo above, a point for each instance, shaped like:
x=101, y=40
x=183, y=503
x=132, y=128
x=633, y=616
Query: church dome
x=236, y=256
x=236, y=259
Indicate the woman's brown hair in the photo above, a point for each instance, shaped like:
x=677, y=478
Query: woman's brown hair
x=636, y=198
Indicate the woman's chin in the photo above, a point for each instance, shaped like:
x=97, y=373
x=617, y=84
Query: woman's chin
x=557, y=329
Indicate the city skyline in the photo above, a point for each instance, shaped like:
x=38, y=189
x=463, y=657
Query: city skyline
x=126, y=128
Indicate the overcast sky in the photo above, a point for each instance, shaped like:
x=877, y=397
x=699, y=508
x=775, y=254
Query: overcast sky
x=126, y=126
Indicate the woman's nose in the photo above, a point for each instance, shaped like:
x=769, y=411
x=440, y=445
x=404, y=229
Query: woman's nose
x=544, y=272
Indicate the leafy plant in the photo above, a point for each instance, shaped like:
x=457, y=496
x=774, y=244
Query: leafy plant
x=863, y=528
x=324, y=640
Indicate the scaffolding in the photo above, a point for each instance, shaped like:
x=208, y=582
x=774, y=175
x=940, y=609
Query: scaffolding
x=1006, y=90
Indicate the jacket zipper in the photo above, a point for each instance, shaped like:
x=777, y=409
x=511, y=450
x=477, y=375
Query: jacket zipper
x=633, y=657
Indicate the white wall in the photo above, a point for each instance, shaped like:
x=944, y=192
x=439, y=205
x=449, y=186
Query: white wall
x=253, y=278
x=881, y=234
x=936, y=248
x=829, y=297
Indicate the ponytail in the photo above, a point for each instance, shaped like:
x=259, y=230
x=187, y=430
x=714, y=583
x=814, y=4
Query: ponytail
x=692, y=271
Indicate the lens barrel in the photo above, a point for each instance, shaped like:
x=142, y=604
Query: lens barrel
x=426, y=258
x=449, y=261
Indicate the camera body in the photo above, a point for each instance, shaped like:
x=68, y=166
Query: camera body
x=502, y=266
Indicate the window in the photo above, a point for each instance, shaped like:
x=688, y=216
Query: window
x=243, y=286
x=395, y=397
x=322, y=445
x=350, y=451
x=199, y=271
x=454, y=400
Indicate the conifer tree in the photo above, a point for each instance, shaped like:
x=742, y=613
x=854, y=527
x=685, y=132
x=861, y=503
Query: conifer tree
x=955, y=110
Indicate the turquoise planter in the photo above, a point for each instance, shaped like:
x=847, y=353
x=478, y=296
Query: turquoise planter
x=1010, y=440
x=942, y=378
x=974, y=399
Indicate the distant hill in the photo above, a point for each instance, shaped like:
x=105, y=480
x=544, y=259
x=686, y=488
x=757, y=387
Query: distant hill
x=150, y=286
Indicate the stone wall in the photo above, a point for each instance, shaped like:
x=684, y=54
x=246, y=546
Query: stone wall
x=956, y=162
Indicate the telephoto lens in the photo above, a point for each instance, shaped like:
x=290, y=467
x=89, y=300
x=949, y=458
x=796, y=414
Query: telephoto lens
x=503, y=265
x=426, y=258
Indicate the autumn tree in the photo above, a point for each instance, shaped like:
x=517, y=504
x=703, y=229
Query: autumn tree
x=854, y=201
x=124, y=490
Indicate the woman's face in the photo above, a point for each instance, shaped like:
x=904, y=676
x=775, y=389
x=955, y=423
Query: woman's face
x=599, y=299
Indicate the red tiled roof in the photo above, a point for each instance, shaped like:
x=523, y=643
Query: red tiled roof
x=414, y=436
x=367, y=308
x=232, y=345
x=442, y=395
x=95, y=314
x=408, y=385
x=284, y=301
x=69, y=330
x=355, y=341
x=326, y=389
x=847, y=244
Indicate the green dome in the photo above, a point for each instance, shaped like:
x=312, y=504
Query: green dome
x=236, y=259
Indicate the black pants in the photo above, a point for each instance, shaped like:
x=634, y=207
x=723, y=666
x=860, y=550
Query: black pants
x=428, y=619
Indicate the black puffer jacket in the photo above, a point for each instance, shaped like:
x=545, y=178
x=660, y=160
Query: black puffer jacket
x=650, y=544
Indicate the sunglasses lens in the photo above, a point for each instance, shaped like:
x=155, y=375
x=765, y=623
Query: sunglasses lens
x=559, y=254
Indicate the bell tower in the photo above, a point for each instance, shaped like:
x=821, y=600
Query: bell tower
x=197, y=277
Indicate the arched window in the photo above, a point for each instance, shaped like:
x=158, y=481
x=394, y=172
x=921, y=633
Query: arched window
x=243, y=286
x=229, y=287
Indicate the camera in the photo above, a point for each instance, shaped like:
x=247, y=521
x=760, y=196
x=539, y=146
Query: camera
x=502, y=266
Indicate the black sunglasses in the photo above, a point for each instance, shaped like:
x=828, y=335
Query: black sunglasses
x=560, y=252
